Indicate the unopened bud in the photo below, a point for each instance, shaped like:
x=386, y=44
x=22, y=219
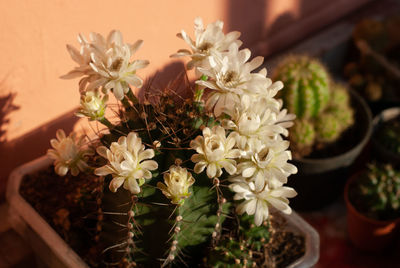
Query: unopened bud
x=157, y=144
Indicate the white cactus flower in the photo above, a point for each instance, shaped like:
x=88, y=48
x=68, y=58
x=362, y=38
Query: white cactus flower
x=214, y=152
x=177, y=183
x=208, y=42
x=257, y=203
x=267, y=164
x=230, y=76
x=69, y=153
x=255, y=124
x=92, y=105
x=109, y=63
x=127, y=163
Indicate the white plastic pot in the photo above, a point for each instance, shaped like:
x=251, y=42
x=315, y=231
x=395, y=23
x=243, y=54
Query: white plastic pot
x=55, y=252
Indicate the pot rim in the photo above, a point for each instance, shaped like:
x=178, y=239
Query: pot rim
x=362, y=142
x=350, y=207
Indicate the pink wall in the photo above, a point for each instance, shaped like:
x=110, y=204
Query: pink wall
x=33, y=54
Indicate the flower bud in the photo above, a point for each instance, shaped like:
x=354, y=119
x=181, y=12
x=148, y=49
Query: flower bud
x=177, y=183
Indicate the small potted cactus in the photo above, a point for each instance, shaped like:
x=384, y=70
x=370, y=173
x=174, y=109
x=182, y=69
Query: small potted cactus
x=332, y=126
x=175, y=180
x=386, y=138
x=373, y=206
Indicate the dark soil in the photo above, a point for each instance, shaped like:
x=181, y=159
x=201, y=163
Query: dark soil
x=69, y=204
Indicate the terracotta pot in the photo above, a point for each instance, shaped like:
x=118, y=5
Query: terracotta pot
x=366, y=233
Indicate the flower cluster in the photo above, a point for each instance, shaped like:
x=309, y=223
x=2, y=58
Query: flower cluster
x=249, y=143
x=245, y=141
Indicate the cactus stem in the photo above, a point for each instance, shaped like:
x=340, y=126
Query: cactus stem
x=216, y=234
x=176, y=229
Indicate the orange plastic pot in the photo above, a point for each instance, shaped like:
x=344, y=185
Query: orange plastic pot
x=366, y=233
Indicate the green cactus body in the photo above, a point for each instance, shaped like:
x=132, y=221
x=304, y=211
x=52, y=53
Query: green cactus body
x=189, y=235
x=322, y=108
x=327, y=128
x=340, y=108
x=132, y=224
x=302, y=134
x=378, y=192
x=344, y=116
x=232, y=252
x=114, y=233
x=306, y=92
x=340, y=96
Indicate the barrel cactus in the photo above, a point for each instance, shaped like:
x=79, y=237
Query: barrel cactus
x=172, y=170
x=307, y=85
x=322, y=106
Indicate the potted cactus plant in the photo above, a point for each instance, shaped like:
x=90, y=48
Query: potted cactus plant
x=386, y=138
x=332, y=126
x=168, y=183
x=373, y=206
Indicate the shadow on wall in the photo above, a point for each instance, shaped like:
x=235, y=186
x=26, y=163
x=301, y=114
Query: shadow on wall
x=271, y=26
x=251, y=20
x=7, y=106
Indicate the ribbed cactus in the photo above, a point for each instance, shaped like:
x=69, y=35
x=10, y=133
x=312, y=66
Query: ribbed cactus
x=132, y=223
x=322, y=107
x=306, y=92
x=379, y=192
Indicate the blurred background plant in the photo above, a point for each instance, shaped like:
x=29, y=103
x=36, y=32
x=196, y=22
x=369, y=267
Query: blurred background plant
x=322, y=106
x=376, y=194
